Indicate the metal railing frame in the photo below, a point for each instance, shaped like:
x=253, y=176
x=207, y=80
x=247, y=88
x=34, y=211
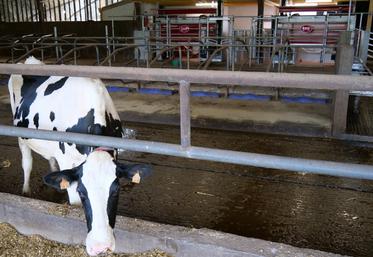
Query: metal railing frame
x=185, y=149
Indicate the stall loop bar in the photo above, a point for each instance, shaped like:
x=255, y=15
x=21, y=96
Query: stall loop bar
x=264, y=79
x=252, y=159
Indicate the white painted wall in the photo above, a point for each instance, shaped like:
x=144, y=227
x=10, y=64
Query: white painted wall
x=119, y=12
x=250, y=9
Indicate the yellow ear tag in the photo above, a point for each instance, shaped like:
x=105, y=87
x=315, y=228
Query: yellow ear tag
x=136, y=178
x=64, y=184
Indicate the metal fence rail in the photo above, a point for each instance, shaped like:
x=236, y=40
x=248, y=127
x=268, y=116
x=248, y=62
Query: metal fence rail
x=184, y=78
x=201, y=153
x=264, y=79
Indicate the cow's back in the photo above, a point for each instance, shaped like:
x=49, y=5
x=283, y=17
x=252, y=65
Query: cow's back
x=71, y=104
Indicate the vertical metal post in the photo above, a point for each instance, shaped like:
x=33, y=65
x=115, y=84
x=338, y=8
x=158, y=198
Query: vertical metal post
x=251, y=47
x=112, y=35
x=107, y=43
x=275, y=32
x=232, y=43
x=55, y=37
x=349, y=14
x=168, y=34
x=370, y=16
x=180, y=59
x=343, y=63
x=184, y=92
x=325, y=39
x=148, y=49
x=188, y=58
x=359, y=35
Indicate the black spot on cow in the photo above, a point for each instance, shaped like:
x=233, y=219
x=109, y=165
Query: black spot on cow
x=83, y=194
x=23, y=123
x=28, y=95
x=113, y=126
x=36, y=120
x=15, y=113
x=62, y=147
x=55, y=86
x=52, y=116
x=112, y=204
x=86, y=125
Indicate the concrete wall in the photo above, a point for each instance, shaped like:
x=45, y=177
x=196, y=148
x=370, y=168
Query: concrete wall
x=249, y=9
x=66, y=224
x=119, y=12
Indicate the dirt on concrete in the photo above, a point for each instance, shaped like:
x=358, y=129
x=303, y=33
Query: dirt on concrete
x=13, y=244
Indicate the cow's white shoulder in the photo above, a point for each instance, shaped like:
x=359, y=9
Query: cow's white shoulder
x=33, y=60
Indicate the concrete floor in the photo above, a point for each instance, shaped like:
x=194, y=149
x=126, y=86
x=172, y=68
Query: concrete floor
x=222, y=113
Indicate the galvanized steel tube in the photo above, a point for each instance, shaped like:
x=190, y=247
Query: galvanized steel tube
x=264, y=79
x=252, y=159
x=185, y=127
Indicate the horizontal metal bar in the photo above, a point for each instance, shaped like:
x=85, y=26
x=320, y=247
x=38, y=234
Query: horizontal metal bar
x=201, y=153
x=264, y=79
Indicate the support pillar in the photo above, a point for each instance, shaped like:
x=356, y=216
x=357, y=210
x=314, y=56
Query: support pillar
x=259, y=28
x=343, y=66
x=370, y=17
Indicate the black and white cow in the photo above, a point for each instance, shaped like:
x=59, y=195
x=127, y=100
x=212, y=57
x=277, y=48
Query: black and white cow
x=90, y=175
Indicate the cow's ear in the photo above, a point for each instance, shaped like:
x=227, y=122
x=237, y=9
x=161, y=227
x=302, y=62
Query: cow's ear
x=133, y=172
x=61, y=180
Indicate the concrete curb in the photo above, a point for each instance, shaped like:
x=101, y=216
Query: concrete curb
x=66, y=224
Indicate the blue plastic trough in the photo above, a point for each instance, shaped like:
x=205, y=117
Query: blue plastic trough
x=156, y=91
x=303, y=99
x=250, y=97
x=204, y=93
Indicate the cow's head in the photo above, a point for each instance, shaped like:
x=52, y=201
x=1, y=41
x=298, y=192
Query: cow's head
x=98, y=188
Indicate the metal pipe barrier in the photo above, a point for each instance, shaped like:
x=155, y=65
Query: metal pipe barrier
x=252, y=159
x=263, y=79
x=184, y=78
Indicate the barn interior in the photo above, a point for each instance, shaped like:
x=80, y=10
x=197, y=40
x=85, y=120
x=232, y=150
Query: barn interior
x=264, y=38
